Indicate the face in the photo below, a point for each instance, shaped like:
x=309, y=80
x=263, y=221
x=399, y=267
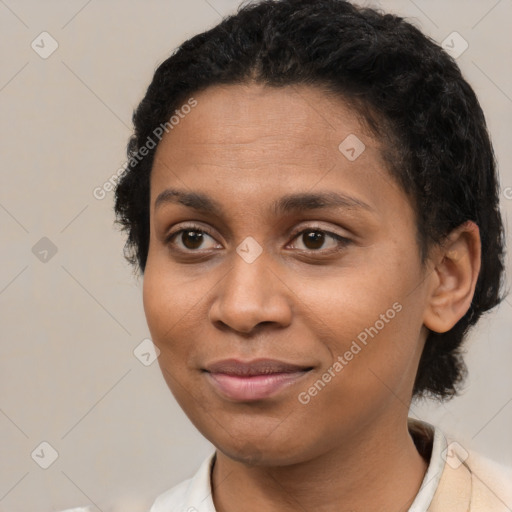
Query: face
x=260, y=269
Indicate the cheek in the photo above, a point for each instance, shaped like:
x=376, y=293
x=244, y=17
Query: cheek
x=371, y=318
x=156, y=306
x=163, y=307
x=169, y=295
x=170, y=308
x=348, y=301
x=175, y=309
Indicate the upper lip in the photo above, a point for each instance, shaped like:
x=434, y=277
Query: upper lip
x=254, y=367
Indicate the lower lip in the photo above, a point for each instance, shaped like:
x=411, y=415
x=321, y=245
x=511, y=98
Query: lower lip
x=256, y=387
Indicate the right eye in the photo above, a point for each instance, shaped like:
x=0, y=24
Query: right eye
x=191, y=238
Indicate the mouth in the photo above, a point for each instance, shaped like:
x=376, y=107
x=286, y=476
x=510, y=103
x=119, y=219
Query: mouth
x=253, y=380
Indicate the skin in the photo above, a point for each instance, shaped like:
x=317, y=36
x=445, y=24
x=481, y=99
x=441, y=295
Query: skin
x=302, y=302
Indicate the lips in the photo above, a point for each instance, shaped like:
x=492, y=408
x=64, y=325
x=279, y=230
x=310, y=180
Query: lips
x=254, y=380
x=256, y=367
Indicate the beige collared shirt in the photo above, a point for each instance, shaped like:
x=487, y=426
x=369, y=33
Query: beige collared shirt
x=456, y=480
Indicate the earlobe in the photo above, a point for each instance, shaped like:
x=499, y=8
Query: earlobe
x=457, y=265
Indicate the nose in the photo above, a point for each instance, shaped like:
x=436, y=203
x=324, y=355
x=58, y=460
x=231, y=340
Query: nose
x=250, y=295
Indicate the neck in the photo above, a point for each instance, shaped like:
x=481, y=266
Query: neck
x=373, y=471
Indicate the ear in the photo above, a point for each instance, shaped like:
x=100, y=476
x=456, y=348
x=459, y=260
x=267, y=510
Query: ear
x=456, y=268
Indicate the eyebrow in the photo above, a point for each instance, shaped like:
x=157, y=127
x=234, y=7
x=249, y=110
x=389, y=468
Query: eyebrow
x=286, y=204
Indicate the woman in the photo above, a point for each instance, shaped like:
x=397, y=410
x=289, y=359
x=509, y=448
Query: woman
x=312, y=199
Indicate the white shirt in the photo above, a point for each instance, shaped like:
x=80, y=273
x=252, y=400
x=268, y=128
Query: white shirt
x=195, y=494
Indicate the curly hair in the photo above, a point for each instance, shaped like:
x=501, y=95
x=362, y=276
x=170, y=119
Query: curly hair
x=409, y=92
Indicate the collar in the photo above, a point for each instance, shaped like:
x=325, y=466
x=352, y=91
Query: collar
x=431, y=444
x=446, y=471
x=447, y=484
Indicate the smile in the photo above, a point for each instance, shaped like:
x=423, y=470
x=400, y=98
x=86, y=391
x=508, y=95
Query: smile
x=254, y=387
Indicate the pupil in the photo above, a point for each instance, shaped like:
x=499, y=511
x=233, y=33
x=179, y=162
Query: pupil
x=316, y=238
x=196, y=237
x=193, y=239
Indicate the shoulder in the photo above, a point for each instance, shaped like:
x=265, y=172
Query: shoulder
x=172, y=499
x=471, y=481
x=492, y=483
x=191, y=495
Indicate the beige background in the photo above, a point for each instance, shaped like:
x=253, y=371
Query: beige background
x=68, y=374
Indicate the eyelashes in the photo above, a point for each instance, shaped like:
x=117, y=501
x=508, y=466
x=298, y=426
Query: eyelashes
x=187, y=229
x=197, y=235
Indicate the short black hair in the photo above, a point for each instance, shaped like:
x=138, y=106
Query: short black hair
x=407, y=89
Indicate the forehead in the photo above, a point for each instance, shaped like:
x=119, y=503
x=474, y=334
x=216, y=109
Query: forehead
x=240, y=138
x=252, y=115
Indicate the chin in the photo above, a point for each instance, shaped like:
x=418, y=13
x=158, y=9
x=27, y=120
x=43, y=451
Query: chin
x=261, y=452
x=247, y=454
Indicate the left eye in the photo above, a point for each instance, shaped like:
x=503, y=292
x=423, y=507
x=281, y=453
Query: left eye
x=314, y=239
